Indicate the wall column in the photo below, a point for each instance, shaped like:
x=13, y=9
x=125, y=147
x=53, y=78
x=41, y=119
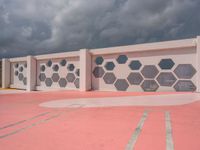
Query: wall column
x=85, y=70
x=198, y=63
x=31, y=73
x=5, y=73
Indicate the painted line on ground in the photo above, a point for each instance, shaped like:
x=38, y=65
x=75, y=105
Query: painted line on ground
x=169, y=139
x=38, y=122
x=22, y=121
x=30, y=126
x=138, y=129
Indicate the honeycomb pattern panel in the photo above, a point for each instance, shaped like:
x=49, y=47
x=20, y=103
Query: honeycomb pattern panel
x=135, y=65
x=77, y=72
x=70, y=77
x=166, y=79
x=70, y=67
x=185, y=85
x=63, y=62
x=98, y=72
x=49, y=63
x=149, y=71
x=58, y=73
x=48, y=82
x=62, y=82
x=185, y=71
x=55, y=67
x=148, y=75
x=99, y=60
x=25, y=81
x=76, y=83
x=109, y=66
x=19, y=74
x=55, y=77
x=121, y=85
x=122, y=59
x=149, y=85
x=135, y=78
x=109, y=78
x=42, y=68
x=166, y=64
x=42, y=77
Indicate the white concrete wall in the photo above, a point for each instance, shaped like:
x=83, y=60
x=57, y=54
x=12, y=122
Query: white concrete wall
x=100, y=69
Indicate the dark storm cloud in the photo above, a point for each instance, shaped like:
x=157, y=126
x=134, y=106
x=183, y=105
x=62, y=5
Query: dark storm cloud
x=36, y=27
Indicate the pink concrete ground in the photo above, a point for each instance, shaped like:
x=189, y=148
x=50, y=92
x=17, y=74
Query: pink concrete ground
x=110, y=128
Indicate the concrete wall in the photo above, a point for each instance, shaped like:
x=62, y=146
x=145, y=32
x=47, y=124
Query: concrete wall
x=161, y=66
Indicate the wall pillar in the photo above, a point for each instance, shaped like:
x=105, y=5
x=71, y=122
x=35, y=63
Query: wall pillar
x=85, y=70
x=5, y=73
x=31, y=73
x=198, y=63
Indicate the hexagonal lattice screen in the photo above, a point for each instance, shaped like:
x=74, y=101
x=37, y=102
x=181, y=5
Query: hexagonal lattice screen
x=122, y=59
x=49, y=63
x=109, y=78
x=185, y=71
x=109, y=65
x=135, y=65
x=55, y=67
x=70, y=77
x=48, y=82
x=62, y=82
x=42, y=77
x=121, y=85
x=98, y=72
x=166, y=64
x=21, y=77
x=166, y=79
x=55, y=77
x=70, y=67
x=42, y=68
x=185, y=85
x=149, y=85
x=63, y=62
x=149, y=71
x=99, y=60
x=76, y=83
x=135, y=78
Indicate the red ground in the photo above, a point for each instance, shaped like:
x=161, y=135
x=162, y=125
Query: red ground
x=92, y=128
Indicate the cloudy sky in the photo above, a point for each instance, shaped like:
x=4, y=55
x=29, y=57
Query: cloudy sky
x=30, y=27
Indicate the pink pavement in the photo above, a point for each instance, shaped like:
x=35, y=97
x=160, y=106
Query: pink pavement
x=108, y=128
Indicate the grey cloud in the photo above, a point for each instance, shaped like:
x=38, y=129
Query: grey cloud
x=37, y=27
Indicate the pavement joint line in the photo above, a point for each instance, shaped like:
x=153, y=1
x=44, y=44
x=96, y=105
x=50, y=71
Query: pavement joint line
x=30, y=126
x=169, y=139
x=22, y=121
x=136, y=133
x=37, y=123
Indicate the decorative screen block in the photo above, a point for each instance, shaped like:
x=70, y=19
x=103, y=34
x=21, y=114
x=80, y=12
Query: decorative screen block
x=166, y=79
x=135, y=65
x=121, y=85
x=109, y=65
x=149, y=71
x=122, y=59
x=166, y=64
x=135, y=78
x=149, y=85
x=98, y=72
x=185, y=85
x=99, y=60
x=109, y=78
x=185, y=71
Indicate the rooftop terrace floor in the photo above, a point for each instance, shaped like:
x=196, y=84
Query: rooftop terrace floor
x=70, y=120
